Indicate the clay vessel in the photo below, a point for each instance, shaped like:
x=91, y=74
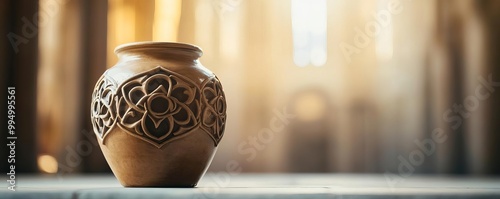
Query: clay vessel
x=158, y=115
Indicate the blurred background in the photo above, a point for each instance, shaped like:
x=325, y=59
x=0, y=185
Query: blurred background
x=344, y=86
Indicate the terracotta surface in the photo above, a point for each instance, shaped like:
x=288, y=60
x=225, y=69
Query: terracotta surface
x=158, y=115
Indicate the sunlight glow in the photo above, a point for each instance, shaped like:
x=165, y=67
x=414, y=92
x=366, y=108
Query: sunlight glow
x=47, y=164
x=166, y=20
x=309, y=27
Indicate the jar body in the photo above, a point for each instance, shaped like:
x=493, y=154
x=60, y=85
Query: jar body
x=158, y=115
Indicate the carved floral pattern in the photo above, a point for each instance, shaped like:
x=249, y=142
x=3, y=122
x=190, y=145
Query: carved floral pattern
x=159, y=106
x=214, y=113
x=103, y=110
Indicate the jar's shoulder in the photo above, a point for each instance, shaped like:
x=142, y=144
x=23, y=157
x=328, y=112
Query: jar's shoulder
x=194, y=73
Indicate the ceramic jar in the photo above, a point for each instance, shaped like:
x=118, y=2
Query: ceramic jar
x=158, y=115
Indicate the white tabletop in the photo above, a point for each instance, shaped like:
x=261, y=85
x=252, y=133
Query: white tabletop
x=223, y=185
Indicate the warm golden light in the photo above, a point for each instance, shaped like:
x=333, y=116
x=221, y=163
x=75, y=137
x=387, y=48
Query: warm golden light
x=121, y=25
x=166, y=20
x=47, y=164
x=137, y=20
x=310, y=107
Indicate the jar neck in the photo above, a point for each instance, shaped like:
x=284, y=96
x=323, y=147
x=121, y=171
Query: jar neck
x=158, y=50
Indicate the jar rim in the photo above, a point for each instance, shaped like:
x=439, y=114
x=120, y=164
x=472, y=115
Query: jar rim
x=159, y=45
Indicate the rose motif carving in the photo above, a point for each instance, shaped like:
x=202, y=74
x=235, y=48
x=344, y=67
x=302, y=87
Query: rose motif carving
x=214, y=109
x=103, y=109
x=159, y=106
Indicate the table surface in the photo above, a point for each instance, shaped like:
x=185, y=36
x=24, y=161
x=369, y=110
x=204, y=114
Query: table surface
x=224, y=185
